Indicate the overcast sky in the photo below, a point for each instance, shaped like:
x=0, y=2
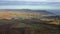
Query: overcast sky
x=35, y=0
x=10, y=5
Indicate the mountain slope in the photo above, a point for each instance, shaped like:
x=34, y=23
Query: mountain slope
x=25, y=13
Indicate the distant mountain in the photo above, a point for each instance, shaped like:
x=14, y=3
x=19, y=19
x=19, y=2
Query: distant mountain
x=57, y=12
x=24, y=13
x=28, y=10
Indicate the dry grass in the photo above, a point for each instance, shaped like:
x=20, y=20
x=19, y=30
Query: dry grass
x=8, y=14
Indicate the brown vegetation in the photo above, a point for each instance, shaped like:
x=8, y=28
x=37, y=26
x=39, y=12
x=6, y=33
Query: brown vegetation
x=40, y=28
x=9, y=14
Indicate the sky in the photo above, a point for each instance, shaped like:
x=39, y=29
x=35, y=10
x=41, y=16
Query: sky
x=30, y=4
x=35, y=0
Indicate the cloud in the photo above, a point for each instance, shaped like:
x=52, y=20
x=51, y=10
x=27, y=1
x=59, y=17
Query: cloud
x=54, y=0
x=35, y=0
x=29, y=7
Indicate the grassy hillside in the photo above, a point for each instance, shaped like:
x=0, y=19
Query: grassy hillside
x=28, y=26
x=31, y=26
x=22, y=13
x=10, y=14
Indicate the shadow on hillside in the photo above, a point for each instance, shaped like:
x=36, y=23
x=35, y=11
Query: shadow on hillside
x=31, y=26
